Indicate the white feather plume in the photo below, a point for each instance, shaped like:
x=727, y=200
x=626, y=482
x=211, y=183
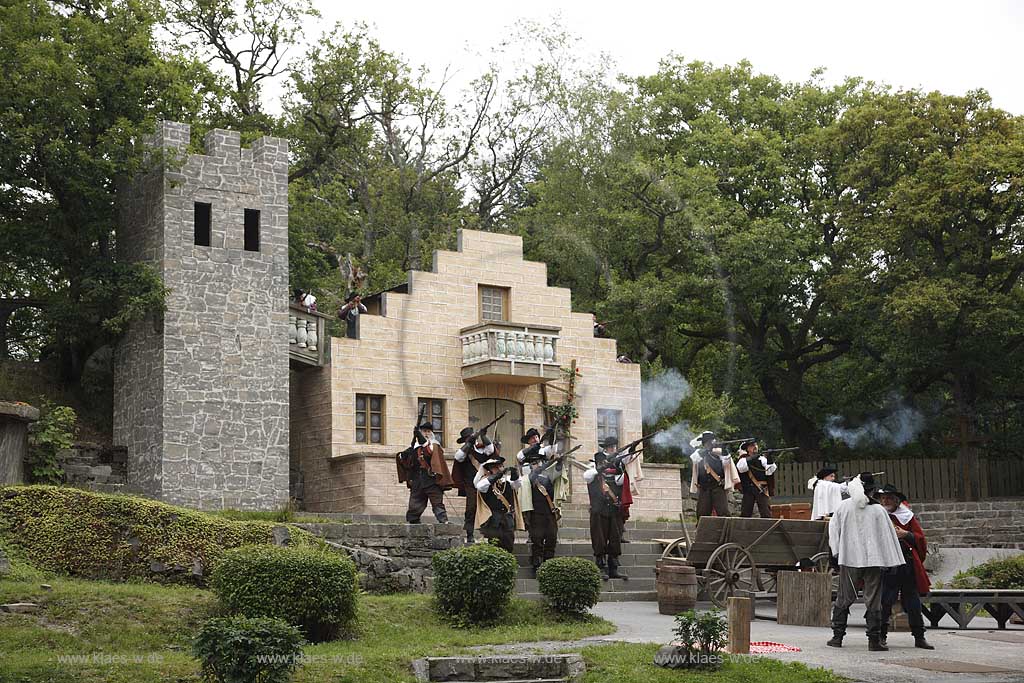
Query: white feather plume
x=856, y=490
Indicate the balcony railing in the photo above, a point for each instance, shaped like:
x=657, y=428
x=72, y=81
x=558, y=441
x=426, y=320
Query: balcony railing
x=308, y=343
x=509, y=352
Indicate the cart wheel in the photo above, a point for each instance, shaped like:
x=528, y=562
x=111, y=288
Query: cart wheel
x=730, y=568
x=676, y=548
x=767, y=580
x=821, y=564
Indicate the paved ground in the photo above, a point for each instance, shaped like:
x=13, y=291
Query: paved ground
x=641, y=622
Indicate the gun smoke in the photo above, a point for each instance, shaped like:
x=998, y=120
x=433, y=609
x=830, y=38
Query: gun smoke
x=897, y=428
x=662, y=394
x=676, y=437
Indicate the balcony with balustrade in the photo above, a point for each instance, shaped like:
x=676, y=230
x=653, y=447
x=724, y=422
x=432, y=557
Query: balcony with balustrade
x=308, y=343
x=509, y=353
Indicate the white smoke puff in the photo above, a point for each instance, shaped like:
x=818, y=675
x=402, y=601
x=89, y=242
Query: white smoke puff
x=898, y=428
x=677, y=437
x=662, y=394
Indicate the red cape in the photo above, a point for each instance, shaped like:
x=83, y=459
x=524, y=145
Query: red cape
x=918, y=551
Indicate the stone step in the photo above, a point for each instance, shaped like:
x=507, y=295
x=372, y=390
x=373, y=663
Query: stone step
x=549, y=668
x=632, y=535
x=618, y=596
x=631, y=585
x=634, y=571
x=570, y=519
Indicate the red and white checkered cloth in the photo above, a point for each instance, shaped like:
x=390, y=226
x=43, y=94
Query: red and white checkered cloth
x=765, y=647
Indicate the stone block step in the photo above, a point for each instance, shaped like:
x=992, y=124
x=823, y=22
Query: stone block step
x=623, y=596
x=633, y=535
x=625, y=560
x=610, y=586
x=637, y=571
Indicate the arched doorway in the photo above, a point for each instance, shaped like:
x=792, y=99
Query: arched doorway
x=508, y=431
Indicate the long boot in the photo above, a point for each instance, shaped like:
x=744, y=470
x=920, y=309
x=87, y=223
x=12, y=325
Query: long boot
x=613, y=569
x=876, y=631
x=599, y=560
x=839, y=618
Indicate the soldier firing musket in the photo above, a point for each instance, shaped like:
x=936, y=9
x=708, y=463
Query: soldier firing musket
x=754, y=469
x=475, y=450
x=714, y=474
x=547, y=478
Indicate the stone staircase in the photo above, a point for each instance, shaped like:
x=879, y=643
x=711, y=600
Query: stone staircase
x=638, y=559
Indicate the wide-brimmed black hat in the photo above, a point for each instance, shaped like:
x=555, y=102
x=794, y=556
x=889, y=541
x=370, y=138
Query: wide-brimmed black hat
x=529, y=432
x=825, y=471
x=891, y=490
x=868, y=480
x=494, y=460
x=743, y=446
x=465, y=434
x=609, y=441
x=427, y=425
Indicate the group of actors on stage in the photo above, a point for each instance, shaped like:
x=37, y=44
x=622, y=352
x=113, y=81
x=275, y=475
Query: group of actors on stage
x=876, y=542
x=524, y=495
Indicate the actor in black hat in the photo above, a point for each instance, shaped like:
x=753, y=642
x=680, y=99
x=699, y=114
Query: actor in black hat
x=908, y=582
x=497, y=509
x=754, y=471
x=468, y=459
x=423, y=469
x=604, y=477
x=713, y=476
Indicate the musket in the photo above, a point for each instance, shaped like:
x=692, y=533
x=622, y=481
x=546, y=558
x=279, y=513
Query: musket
x=779, y=450
x=477, y=433
x=416, y=427
x=634, y=444
x=723, y=443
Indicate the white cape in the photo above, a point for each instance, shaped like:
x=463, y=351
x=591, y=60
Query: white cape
x=827, y=497
x=864, y=536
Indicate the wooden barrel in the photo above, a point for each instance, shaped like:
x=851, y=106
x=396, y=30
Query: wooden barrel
x=676, y=583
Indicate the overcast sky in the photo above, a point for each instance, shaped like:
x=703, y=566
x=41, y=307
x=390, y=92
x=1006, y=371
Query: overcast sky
x=948, y=46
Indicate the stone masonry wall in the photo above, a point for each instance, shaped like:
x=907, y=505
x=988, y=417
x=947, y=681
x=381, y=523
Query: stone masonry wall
x=212, y=379
x=987, y=524
x=391, y=557
x=414, y=351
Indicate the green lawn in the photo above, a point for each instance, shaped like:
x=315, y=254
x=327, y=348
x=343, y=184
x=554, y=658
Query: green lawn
x=92, y=631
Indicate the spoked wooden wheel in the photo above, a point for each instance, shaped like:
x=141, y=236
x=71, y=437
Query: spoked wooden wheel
x=675, y=550
x=767, y=580
x=730, y=568
x=821, y=564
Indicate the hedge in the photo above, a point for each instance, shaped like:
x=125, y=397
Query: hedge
x=118, y=537
x=571, y=585
x=474, y=584
x=1006, y=574
x=309, y=588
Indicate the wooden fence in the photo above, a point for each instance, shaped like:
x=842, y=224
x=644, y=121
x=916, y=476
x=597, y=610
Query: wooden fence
x=921, y=479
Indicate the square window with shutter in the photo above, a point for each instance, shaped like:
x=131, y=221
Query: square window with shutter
x=369, y=419
x=493, y=303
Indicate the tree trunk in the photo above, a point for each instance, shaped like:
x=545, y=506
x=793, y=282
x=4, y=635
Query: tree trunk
x=797, y=428
x=968, y=465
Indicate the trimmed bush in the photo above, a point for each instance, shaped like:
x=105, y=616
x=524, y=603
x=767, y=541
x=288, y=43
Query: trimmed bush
x=312, y=589
x=474, y=584
x=116, y=537
x=1007, y=573
x=571, y=585
x=242, y=650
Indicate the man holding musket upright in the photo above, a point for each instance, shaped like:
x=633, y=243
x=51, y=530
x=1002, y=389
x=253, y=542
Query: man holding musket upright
x=754, y=471
x=423, y=469
x=533, y=450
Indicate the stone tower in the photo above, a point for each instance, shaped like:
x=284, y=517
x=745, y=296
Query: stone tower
x=201, y=392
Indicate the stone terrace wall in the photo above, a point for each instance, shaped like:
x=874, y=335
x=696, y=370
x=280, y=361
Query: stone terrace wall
x=391, y=557
x=988, y=524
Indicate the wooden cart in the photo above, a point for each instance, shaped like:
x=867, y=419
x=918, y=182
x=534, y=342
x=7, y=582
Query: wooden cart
x=732, y=554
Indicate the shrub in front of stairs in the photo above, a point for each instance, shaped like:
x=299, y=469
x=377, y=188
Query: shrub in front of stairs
x=243, y=650
x=309, y=588
x=118, y=537
x=473, y=584
x=571, y=585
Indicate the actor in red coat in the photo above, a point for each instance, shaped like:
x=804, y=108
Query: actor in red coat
x=908, y=582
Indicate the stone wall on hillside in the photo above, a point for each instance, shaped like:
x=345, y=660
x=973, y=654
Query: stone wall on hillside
x=987, y=524
x=391, y=557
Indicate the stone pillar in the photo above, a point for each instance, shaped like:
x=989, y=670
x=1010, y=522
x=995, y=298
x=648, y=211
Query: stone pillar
x=15, y=419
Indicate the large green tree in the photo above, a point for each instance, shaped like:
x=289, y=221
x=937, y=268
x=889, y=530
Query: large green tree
x=82, y=83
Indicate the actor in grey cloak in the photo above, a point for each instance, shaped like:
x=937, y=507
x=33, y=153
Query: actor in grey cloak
x=863, y=539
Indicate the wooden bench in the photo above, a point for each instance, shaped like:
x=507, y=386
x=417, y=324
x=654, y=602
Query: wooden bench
x=964, y=605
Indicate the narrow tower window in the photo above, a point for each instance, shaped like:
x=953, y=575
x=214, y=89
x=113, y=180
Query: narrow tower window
x=201, y=222
x=252, y=230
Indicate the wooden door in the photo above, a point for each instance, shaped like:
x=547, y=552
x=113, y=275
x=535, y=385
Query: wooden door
x=508, y=431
